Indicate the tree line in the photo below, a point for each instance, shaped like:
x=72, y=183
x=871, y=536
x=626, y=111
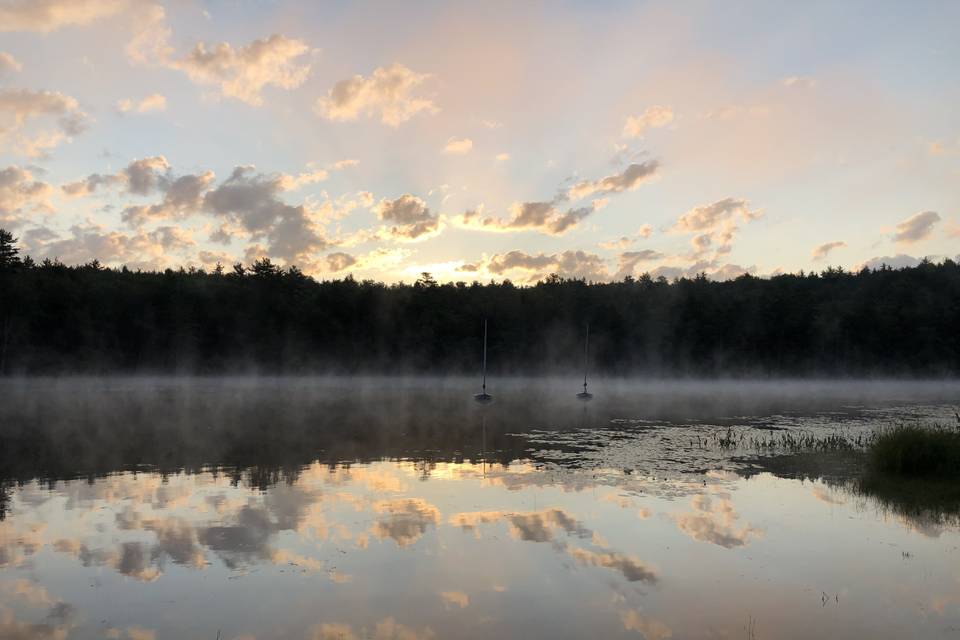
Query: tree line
x=263, y=318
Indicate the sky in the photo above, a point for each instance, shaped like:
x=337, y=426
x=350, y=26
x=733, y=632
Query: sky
x=481, y=141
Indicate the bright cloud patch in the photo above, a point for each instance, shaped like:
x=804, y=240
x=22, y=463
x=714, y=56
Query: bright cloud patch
x=629, y=261
x=631, y=178
x=916, y=227
x=243, y=73
x=49, y=15
x=87, y=242
x=821, y=252
x=22, y=109
x=654, y=117
x=530, y=216
x=458, y=146
x=339, y=261
x=410, y=217
x=153, y=102
x=9, y=64
x=20, y=194
x=532, y=267
x=715, y=225
x=386, y=94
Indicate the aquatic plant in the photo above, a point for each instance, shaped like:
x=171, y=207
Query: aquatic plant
x=916, y=450
x=788, y=441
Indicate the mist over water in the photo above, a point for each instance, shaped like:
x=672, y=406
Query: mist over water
x=352, y=507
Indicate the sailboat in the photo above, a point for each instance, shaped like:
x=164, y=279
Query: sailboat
x=483, y=397
x=585, y=396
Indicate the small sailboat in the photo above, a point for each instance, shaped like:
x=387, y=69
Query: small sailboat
x=483, y=397
x=585, y=396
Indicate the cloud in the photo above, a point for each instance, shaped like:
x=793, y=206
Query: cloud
x=713, y=520
x=8, y=63
x=143, y=175
x=649, y=628
x=20, y=107
x=387, y=93
x=539, y=216
x=645, y=231
x=620, y=243
x=454, y=599
x=252, y=200
x=45, y=16
x=411, y=217
x=182, y=196
x=172, y=238
x=654, y=117
x=243, y=73
x=87, y=242
x=386, y=629
x=247, y=204
x=21, y=194
x=628, y=261
x=713, y=269
x=804, y=82
x=458, y=146
x=715, y=225
x=730, y=272
x=502, y=157
x=820, y=252
x=532, y=267
x=898, y=261
x=292, y=183
x=547, y=217
x=152, y=102
x=823, y=494
x=150, y=43
x=339, y=261
x=140, y=177
x=629, y=179
x=631, y=568
x=529, y=526
x=343, y=164
x=407, y=519
x=916, y=227
x=709, y=216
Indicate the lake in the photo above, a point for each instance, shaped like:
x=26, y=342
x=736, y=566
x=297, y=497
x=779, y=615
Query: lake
x=324, y=508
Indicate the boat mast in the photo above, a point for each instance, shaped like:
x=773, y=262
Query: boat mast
x=586, y=349
x=484, y=356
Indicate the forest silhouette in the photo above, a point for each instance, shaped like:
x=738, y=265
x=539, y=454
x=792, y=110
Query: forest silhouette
x=56, y=318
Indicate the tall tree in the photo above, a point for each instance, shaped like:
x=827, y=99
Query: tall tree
x=9, y=251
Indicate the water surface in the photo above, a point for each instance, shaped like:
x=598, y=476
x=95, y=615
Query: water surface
x=324, y=508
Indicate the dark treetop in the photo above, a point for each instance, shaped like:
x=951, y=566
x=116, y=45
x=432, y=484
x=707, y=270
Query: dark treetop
x=58, y=318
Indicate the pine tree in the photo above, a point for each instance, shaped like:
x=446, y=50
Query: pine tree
x=9, y=252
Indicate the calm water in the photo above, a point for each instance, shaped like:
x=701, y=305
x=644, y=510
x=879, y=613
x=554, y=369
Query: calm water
x=397, y=509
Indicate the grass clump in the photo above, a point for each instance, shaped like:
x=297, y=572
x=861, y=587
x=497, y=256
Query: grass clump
x=913, y=450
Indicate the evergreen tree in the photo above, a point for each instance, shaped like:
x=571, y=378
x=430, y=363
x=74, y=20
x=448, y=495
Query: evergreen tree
x=9, y=252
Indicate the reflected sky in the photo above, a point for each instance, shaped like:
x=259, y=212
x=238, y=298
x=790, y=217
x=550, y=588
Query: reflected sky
x=386, y=550
x=439, y=545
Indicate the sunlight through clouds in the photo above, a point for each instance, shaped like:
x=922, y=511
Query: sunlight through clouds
x=353, y=130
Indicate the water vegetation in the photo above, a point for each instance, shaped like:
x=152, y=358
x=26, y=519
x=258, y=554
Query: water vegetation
x=916, y=451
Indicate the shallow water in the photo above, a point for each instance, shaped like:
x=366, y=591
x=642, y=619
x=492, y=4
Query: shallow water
x=309, y=508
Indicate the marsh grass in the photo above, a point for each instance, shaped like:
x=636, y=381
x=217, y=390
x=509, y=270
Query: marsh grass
x=916, y=451
x=787, y=441
x=901, y=450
